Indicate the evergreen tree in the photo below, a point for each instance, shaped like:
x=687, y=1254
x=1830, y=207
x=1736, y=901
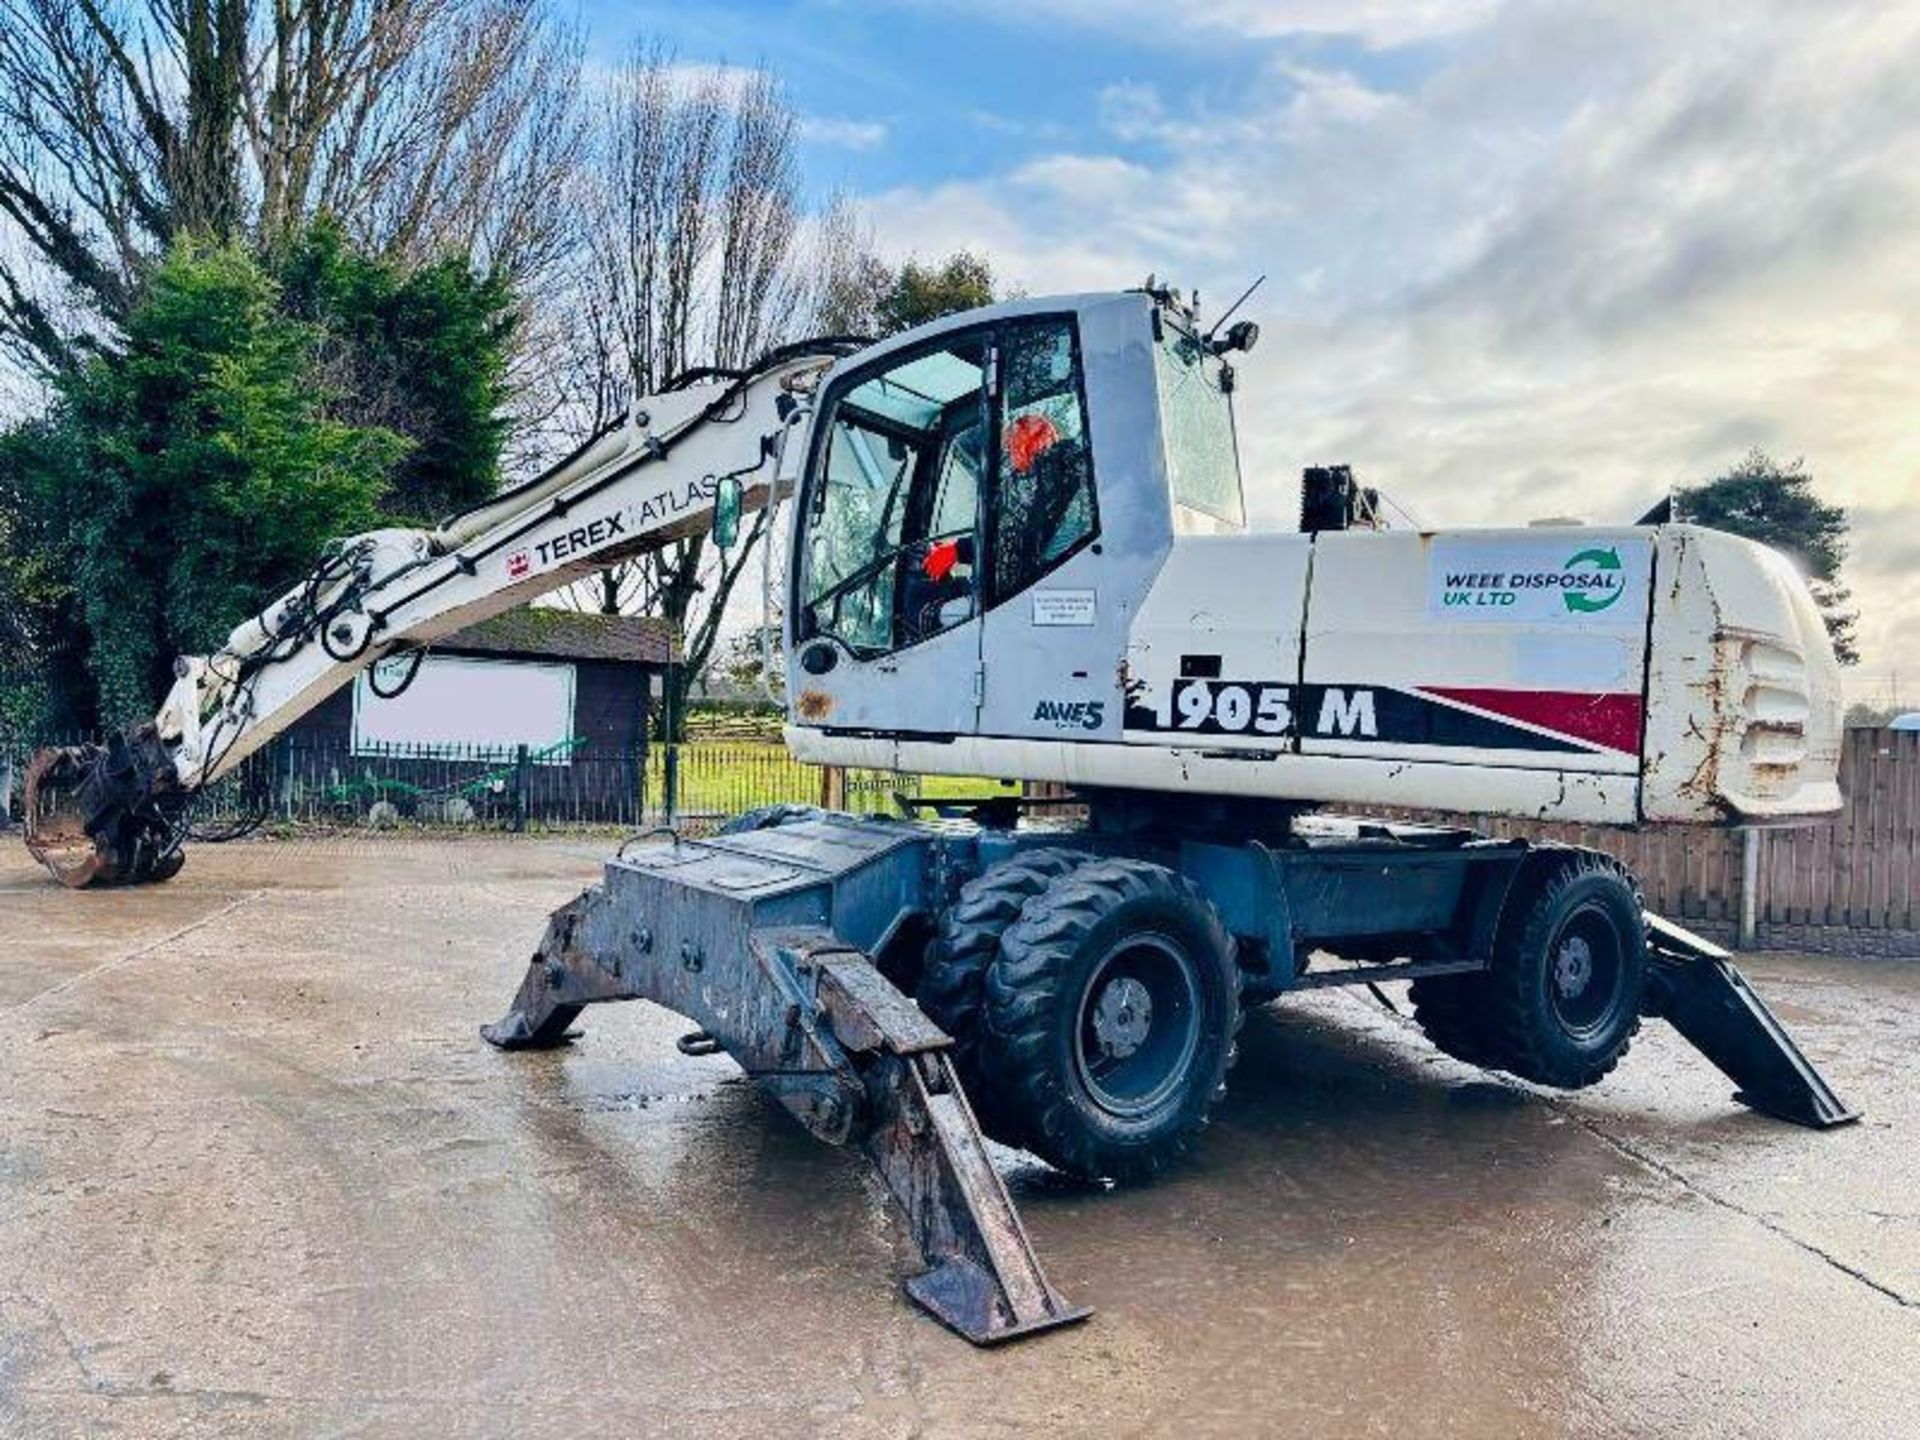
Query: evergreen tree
x=1776, y=505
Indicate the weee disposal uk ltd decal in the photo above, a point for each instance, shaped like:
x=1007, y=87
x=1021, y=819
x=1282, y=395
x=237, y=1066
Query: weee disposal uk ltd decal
x=1560, y=576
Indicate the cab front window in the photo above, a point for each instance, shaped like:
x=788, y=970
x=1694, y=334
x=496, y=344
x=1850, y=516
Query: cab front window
x=1203, y=464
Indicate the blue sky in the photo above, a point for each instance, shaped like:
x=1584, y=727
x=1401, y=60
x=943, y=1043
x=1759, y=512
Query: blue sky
x=903, y=93
x=1527, y=257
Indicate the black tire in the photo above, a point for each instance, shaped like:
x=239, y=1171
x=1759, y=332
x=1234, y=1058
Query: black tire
x=770, y=817
x=1453, y=1012
x=1098, y=1097
x=1569, y=971
x=1259, y=984
x=953, y=985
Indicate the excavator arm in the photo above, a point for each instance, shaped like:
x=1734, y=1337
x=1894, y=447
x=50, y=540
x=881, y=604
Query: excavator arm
x=118, y=812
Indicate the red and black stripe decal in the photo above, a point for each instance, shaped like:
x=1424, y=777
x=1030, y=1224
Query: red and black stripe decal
x=1448, y=717
x=1430, y=717
x=1603, y=721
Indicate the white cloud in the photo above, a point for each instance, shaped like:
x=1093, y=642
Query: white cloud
x=1331, y=97
x=842, y=133
x=1600, y=250
x=603, y=79
x=1374, y=22
x=1377, y=22
x=1319, y=100
x=691, y=76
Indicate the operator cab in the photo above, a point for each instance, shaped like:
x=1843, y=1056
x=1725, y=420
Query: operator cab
x=1003, y=483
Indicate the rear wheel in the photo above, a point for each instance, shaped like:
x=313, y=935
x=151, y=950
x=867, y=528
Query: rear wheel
x=953, y=986
x=1570, y=972
x=1111, y=1011
x=1560, y=1003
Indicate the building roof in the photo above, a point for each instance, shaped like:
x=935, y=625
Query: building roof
x=540, y=632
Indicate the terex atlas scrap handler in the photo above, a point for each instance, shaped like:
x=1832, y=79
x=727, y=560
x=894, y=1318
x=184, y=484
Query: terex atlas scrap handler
x=1018, y=549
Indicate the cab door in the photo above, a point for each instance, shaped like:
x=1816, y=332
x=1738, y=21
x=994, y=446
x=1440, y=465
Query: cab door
x=1052, y=640
x=886, y=604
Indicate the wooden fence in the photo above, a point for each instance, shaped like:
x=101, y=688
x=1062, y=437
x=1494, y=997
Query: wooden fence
x=1850, y=886
x=1847, y=886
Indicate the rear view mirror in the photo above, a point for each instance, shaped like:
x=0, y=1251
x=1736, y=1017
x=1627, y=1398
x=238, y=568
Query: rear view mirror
x=728, y=499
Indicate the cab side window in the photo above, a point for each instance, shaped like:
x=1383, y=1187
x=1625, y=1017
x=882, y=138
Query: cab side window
x=1042, y=505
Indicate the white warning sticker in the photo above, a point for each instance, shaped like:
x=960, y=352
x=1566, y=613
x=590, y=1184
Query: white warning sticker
x=1064, y=607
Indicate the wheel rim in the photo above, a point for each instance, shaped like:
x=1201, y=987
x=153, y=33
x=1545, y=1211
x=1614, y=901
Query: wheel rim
x=1585, y=968
x=1138, y=1027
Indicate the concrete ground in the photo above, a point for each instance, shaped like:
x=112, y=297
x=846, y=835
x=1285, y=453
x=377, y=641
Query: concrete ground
x=259, y=1176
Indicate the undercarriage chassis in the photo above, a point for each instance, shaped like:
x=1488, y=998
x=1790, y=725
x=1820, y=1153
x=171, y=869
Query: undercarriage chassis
x=774, y=943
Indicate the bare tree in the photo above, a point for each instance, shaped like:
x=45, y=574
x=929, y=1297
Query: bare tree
x=852, y=276
x=695, y=250
x=424, y=125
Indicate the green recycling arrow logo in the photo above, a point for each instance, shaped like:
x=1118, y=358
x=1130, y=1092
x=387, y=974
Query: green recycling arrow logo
x=1582, y=603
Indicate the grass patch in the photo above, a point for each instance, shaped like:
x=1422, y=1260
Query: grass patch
x=727, y=777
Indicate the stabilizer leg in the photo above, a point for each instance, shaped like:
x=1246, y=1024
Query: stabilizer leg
x=539, y=1018
x=983, y=1277
x=1696, y=989
x=852, y=1058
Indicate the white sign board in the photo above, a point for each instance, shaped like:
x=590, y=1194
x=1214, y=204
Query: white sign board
x=1559, y=577
x=1064, y=607
x=456, y=703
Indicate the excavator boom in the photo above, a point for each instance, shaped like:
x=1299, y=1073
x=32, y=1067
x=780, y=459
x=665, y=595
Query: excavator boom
x=117, y=812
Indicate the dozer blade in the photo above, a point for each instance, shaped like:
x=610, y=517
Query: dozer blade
x=98, y=814
x=1695, y=988
x=820, y=1028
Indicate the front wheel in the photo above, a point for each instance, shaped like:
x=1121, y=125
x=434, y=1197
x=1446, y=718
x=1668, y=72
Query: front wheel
x=953, y=985
x=1111, y=1013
